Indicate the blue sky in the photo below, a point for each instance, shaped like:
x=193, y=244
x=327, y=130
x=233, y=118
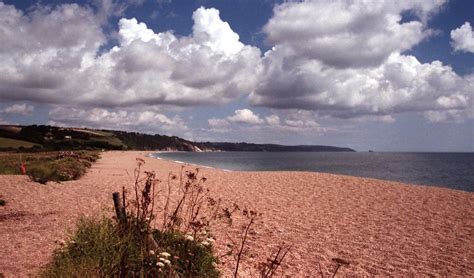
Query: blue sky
x=391, y=76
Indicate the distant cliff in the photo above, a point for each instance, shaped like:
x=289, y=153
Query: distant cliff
x=43, y=137
x=248, y=147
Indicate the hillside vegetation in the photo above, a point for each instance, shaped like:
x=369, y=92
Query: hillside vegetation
x=13, y=143
x=51, y=138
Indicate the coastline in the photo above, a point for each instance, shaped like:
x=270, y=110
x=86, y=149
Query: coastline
x=418, y=178
x=380, y=227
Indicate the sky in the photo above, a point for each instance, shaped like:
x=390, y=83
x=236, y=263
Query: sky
x=370, y=75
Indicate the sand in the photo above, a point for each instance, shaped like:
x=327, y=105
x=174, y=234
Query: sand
x=379, y=227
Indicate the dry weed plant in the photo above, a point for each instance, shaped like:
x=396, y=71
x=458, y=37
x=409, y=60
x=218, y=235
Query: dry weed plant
x=270, y=266
x=184, y=207
x=180, y=207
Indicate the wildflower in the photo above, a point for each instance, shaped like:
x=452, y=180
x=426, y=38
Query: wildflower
x=152, y=252
x=214, y=264
x=160, y=264
x=165, y=254
x=189, y=237
x=211, y=240
x=162, y=259
x=167, y=262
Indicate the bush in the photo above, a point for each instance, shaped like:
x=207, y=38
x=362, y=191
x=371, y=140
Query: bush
x=48, y=166
x=44, y=168
x=41, y=173
x=70, y=169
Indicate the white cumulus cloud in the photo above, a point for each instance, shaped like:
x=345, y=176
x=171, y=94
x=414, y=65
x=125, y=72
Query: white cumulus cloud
x=463, y=38
x=146, y=121
x=210, y=65
x=245, y=116
x=292, y=120
x=348, y=33
x=43, y=51
x=337, y=59
x=19, y=109
x=345, y=59
x=273, y=120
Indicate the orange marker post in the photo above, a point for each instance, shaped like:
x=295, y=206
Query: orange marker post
x=23, y=168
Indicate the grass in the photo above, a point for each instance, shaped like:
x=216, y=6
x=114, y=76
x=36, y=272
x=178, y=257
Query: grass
x=6, y=143
x=103, y=248
x=44, y=167
x=110, y=139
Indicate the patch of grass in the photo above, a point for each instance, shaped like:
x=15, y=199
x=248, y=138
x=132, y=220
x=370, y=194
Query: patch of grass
x=49, y=166
x=103, y=248
x=93, y=251
x=6, y=143
x=109, y=139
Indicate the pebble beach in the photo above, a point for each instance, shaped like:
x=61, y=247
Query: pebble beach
x=378, y=227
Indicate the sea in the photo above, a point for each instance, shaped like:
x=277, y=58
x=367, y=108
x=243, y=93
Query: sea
x=452, y=170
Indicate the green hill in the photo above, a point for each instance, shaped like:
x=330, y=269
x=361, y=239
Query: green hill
x=6, y=143
x=48, y=138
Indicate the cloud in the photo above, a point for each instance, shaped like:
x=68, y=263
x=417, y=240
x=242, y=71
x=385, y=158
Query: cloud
x=245, y=116
x=44, y=51
x=19, y=109
x=217, y=123
x=294, y=120
x=353, y=65
x=4, y=122
x=273, y=120
x=209, y=66
x=145, y=121
x=444, y=116
x=211, y=31
x=463, y=38
x=348, y=33
x=401, y=84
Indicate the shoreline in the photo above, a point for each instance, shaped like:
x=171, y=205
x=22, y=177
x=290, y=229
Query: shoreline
x=193, y=164
x=150, y=153
x=380, y=227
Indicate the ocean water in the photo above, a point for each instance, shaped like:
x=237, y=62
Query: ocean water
x=453, y=170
